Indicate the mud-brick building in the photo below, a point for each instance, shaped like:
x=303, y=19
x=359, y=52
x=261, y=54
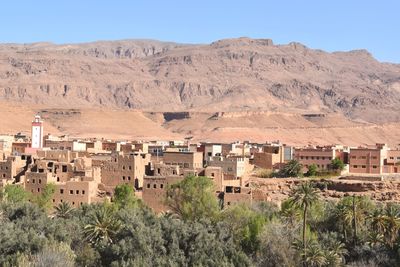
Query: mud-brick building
x=123, y=168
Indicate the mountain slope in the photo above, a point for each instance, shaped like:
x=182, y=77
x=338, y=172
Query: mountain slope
x=227, y=75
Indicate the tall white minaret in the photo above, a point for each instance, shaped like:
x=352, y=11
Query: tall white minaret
x=37, y=132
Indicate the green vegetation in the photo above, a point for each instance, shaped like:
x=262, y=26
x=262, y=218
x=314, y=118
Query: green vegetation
x=193, y=198
x=312, y=170
x=14, y=194
x=304, y=231
x=337, y=165
x=44, y=200
x=291, y=169
x=124, y=196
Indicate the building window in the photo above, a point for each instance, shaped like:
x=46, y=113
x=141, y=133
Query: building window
x=148, y=185
x=83, y=192
x=40, y=181
x=61, y=191
x=212, y=174
x=54, y=200
x=71, y=192
x=363, y=166
x=73, y=203
x=130, y=167
x=123, y=167
x=323, y=158
x=4, y=175
x=317, y=157
x=161, y=185
x=123, y=178
x=77, y=192
x=33, y=181
x=374, y=166
x=391, y=157
x=64, y=168
x=301, y=157
x=154, y=185
x=312, y=157
x=38, y=189
x=129, y=178
x=186, y=165
x=374, y=157
x=355, y=166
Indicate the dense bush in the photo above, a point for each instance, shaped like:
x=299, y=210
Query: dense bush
x=353, y=231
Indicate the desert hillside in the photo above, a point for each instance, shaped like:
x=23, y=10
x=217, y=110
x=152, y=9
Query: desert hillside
x=230, y=89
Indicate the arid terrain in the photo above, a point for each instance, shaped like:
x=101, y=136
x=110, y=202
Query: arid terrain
x=247, y=89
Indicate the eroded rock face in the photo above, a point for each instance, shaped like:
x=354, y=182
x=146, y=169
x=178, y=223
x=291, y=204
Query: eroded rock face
x=227, y=75
x=278, y=190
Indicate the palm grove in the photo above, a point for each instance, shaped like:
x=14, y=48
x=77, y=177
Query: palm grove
x=199, y=230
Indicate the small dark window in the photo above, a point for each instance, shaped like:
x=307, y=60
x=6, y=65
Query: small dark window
x=40, y=181
x=148, y=185
x=61, y=191
x=154, y=185
x=64, y=168
x=58, y=179
x=38, y=189
x=123, y=178
x=129, y=178
x=77, y=192
x=71, y=192
x=54, y=200
x=33, y=181
x=161, y=185
x=83, y=192
x=73, y=203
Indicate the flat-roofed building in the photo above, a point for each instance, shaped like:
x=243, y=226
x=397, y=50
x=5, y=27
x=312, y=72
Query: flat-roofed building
x=124, y=169
x=320, y=156
x=368, y=160
x=231, y=166
x=185, y=160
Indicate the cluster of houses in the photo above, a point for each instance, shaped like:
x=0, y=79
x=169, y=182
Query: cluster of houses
x=87, y=171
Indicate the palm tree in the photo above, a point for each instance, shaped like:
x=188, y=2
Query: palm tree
x=314, y=257
x=63, y=210
x=375, y=239
x=392, y=222
x=378, y=222
x=335, y=253
x=292, y=169
x=352, y=211
x=344, y=217
x=304, y=196
x=291, y=215
x=102, y=227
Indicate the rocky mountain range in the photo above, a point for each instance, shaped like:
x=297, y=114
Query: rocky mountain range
x=210, y=89
x=227, y=75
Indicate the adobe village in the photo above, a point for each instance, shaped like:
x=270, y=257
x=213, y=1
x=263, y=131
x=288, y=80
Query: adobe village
x=86, y=171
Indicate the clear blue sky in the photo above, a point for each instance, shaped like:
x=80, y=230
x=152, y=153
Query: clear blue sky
x=329, y=25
